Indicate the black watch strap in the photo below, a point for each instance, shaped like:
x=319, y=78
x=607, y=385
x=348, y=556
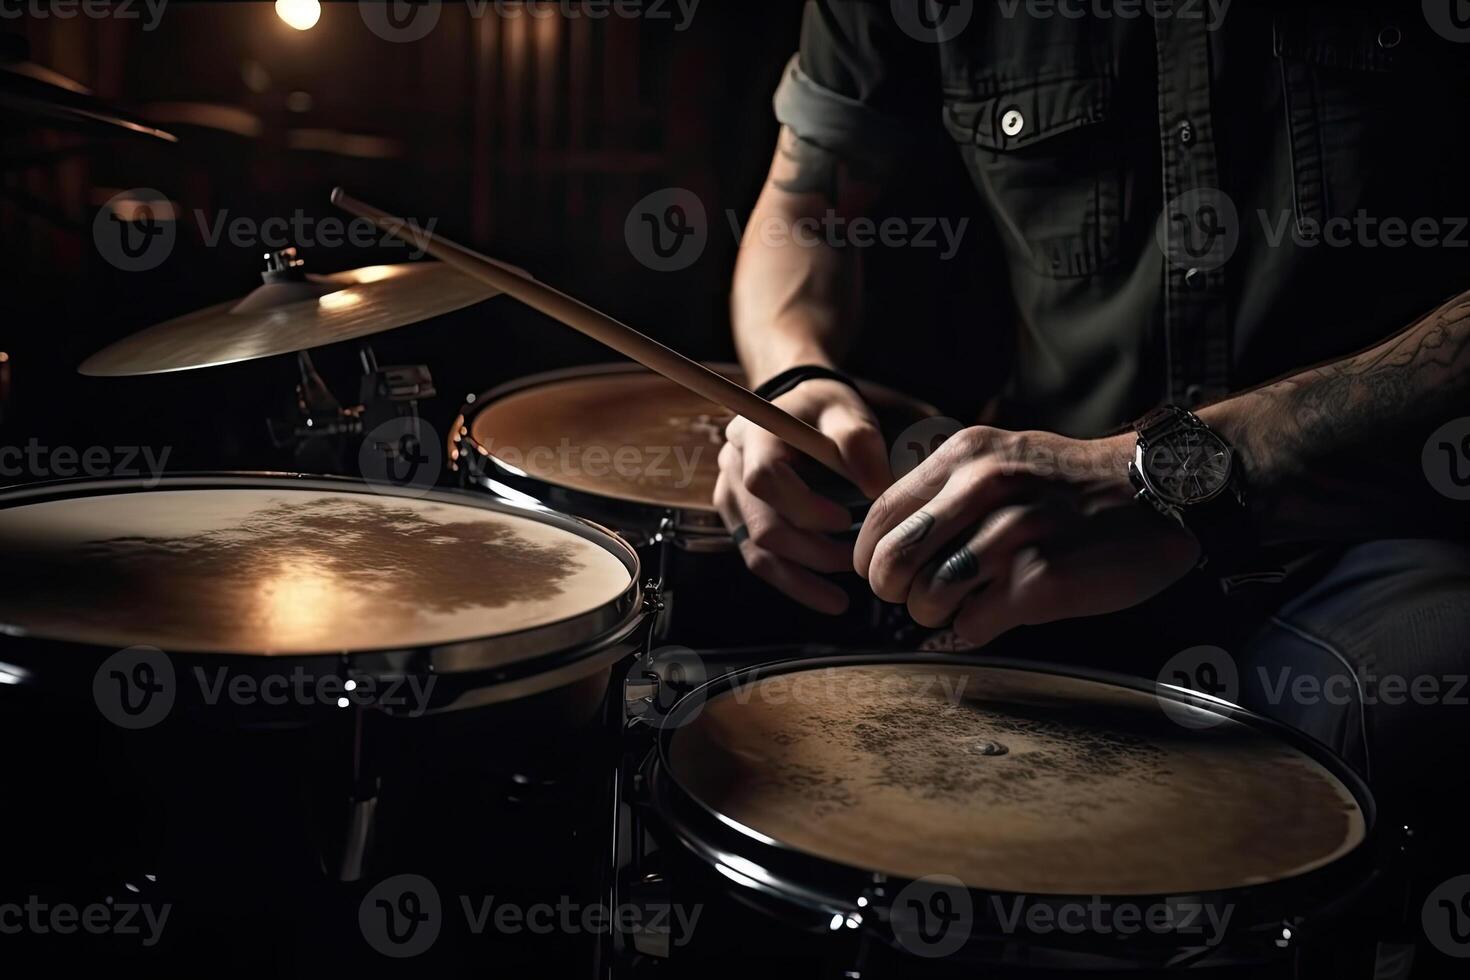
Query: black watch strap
x=1222, y=525
x=791, y=377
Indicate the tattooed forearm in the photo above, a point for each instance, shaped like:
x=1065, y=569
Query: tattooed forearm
x=1341, y=442
x=1378, y=394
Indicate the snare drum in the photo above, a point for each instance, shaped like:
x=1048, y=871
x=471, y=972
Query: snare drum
x=963, y=814
x=629, y=449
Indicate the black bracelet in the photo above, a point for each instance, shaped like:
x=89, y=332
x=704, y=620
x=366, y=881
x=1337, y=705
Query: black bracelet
x=791, y=377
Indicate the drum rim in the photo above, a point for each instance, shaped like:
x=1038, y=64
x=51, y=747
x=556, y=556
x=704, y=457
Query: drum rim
x=688, y=524
x=828, y=887
x=549, y=645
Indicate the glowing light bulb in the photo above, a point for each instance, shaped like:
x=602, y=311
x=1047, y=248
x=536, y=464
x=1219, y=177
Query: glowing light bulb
x=300, y=14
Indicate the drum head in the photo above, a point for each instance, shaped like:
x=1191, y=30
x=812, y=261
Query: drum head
x=1008, y=780
x=623, y=434
x=263, y=566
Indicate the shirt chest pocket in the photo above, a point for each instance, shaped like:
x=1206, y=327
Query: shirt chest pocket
x=1046, y=159
x=1365, y=94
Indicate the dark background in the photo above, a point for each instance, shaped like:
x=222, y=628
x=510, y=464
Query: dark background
x=528, y=138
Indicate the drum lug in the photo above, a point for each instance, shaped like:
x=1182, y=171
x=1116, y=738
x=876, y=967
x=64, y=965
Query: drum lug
x=651, y=893
x=640, y=697
x=653, y=599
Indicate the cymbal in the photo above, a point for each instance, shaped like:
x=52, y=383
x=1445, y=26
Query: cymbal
x=31, y=91
x=285, y=316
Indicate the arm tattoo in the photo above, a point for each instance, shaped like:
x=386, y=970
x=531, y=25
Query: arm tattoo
x=1329, y=447
x=1382, y=392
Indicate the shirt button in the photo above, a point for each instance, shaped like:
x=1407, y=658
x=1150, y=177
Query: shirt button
x=1186, y=133
x=1390, y=37
x=1194, y=278
x=1012, y=122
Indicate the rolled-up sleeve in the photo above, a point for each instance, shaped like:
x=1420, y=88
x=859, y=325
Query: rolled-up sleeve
x=859, y=87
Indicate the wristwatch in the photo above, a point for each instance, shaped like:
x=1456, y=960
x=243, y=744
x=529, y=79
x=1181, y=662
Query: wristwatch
x=1187, y=472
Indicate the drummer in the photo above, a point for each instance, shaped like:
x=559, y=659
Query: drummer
x=1331, y=366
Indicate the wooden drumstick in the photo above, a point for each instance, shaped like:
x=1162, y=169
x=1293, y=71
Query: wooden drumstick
x=606, y=330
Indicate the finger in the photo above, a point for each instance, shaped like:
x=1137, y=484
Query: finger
x=789, y=578
x=899, y=502
x=864, y=453
x=900, y=555
x=963, y=496
x=946, y=582
x=738, y=430
x=1105, y=565
x=769, y=476
x=1013, y=600
x=769, y=531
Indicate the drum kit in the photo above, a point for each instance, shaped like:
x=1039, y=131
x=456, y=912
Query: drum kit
x=562, y=618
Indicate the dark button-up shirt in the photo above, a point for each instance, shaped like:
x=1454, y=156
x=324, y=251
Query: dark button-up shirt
x=1194, y=197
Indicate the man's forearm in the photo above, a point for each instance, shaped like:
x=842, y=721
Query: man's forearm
x=1335, y=451
x=790, y=292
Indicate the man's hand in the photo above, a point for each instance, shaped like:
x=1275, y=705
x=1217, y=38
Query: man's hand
x=788, y=524
x=1002, y=529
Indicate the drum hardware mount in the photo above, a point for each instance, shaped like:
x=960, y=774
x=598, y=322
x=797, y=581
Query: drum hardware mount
x=385, y=393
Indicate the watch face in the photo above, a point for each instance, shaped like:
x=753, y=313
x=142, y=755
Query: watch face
x=1188, y=465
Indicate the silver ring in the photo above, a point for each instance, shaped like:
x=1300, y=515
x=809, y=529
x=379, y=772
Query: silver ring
x=740, y=535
